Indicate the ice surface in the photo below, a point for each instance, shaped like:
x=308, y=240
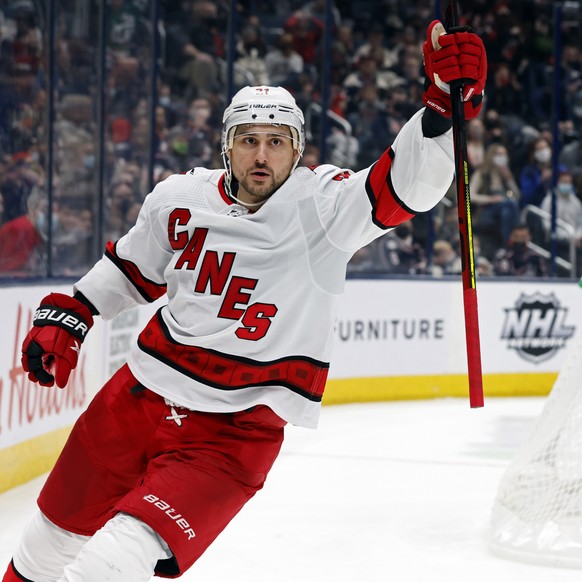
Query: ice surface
x=388, y=491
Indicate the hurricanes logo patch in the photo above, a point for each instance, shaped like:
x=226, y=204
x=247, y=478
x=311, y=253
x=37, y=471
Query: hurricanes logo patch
x=536, y=327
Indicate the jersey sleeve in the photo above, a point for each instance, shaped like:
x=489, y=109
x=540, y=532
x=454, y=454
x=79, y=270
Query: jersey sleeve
x=410, y=177
x=131, y=271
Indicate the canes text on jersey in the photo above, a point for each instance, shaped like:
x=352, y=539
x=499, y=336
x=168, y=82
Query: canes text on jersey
x=215, y=272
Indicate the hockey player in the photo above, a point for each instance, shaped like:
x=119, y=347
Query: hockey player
x=252, y=260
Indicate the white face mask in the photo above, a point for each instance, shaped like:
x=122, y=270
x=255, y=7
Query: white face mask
x=500, y=160
x=565, y=189
x=543, y=156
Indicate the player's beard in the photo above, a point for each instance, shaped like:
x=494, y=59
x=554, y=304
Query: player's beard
x=262, y=191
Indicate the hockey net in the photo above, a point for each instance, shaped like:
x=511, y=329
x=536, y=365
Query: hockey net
x=537, y=514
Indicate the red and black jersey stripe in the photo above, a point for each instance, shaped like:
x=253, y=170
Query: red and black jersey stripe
x=148, y=289
x=300, y=374
x=222, y=189
x=388, y=210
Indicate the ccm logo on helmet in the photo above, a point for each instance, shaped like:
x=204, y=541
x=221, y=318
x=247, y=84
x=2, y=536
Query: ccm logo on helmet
x=52, y=316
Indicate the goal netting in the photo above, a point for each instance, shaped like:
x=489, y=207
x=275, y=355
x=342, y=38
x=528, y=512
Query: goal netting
x=537, y=514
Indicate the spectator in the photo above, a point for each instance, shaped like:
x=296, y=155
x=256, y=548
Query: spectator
x=317, y=9
x=495, y=194
x=283, y=63
x=22, y=239
x=483, y=265
x=251, y=51
x=198, y=43
x=339, y=69
x=366, y=73
x=124, y=28
x=343, y=149
x=568, y=211
x=22, y=52
x=375, y=40
x=119, y=202
x=75, y=138
x=446, y=260
x=399, y=254
x=16, y=182
x=345, y=38
x=504, y=93
x=306, y=31
x=475, y=143
x=518, y=259
x=73, y=234
x=494, y=129
x=448, y=229
x=535, y=178
x=571, y=156
x=370, y=125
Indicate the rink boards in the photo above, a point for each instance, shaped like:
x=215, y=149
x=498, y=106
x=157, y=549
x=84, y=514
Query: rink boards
x=394, y=340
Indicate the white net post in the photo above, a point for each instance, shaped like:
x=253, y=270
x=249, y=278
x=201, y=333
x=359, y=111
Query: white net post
x=537, y=514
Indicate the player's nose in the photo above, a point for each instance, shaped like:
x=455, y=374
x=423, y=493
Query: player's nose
x=261, y=153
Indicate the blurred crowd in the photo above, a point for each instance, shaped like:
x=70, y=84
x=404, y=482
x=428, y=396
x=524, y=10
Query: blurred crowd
x=108, y=137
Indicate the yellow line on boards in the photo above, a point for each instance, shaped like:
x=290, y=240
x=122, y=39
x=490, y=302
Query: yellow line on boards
x=29, y=459
x=345, y=390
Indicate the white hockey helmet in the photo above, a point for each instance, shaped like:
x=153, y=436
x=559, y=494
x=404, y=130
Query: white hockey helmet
x=263, y=105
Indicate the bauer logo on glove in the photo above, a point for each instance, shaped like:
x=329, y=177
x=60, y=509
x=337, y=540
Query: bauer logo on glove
x=456, y=57
x=51, y=349
x=47, y=316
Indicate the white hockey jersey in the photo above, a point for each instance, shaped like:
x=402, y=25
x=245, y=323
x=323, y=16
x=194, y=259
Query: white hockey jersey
x=252, y=295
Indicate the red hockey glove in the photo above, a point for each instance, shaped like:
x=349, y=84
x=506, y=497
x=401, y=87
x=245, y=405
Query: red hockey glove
x=456, y=56
x=51, y=349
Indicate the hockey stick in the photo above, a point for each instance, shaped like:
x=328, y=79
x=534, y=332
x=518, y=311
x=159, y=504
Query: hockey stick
x=465, y=226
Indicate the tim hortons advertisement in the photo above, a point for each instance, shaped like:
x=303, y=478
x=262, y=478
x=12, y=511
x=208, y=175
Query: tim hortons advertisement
x=27, y=410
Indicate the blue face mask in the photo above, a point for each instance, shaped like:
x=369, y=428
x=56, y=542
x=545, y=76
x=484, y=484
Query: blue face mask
x=89, y=161
x=565, y=189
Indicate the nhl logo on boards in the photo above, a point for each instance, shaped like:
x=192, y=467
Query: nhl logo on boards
x=536, y=327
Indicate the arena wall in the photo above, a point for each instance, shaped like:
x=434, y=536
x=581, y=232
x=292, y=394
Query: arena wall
x=394, y=340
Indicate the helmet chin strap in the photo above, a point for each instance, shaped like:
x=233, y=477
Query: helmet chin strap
x=248, y=204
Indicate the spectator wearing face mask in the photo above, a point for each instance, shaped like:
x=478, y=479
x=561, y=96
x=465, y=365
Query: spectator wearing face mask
x=535, y=177
x=495, y=195
x=568, y=210
x=518, y=259
x=399, y=253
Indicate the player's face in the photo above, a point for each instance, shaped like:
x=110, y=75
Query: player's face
x=261, y=159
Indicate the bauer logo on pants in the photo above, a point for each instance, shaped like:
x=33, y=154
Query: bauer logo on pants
x=172, y=514
x=536, y=327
